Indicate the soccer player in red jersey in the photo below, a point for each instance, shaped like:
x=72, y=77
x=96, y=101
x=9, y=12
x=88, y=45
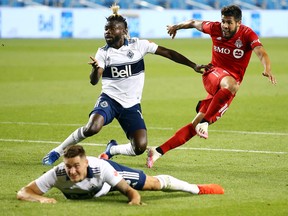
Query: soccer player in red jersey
x=232, y=47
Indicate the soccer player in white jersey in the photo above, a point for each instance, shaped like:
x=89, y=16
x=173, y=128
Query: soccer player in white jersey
x=83, y=177
x=120, y=64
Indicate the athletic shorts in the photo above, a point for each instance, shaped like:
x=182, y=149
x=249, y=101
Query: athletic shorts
x=135, y=178
x=211, y=80
x=130, y=119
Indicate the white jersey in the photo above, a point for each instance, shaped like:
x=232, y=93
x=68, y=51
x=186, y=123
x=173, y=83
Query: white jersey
x=101, y=176
x=123, y=76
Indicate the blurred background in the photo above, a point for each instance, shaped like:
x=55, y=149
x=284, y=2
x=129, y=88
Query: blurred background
x=146, y=19
x=150, y=4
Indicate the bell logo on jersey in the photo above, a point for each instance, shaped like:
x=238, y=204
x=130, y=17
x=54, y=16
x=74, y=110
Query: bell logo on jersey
x=126, y=72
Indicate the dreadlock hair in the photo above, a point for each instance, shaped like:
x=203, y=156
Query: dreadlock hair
x=232, y=10
x=116, y=17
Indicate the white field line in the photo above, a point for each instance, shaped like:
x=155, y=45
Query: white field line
x=179, y=148
x=74, y=125
x=151, y=128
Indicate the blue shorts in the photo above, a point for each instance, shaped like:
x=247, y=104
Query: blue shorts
x=130, y=119
x=135, y=178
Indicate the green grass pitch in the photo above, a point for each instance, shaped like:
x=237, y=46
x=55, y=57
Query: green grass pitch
x=45, y=95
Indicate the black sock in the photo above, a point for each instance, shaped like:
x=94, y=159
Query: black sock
x=159, y=150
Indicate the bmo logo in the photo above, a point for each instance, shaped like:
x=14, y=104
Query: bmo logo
x=221, y=50
x=237, y=53
x=121, y=73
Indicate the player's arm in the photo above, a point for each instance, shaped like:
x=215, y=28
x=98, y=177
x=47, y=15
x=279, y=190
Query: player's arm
x=96, y=71
x=32, y=193
x=179, y=58
x=133, y=195
x=172, y=29
x=265, y=60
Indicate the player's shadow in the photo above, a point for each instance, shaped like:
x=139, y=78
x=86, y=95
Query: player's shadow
x=147, y=196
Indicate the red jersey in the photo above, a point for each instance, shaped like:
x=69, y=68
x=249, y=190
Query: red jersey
x=233, y=55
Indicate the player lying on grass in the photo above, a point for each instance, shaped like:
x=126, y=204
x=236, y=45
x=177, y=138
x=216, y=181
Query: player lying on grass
x=83, y=177
x=233, y=44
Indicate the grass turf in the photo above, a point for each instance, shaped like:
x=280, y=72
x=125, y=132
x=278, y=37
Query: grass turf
x=45, y=95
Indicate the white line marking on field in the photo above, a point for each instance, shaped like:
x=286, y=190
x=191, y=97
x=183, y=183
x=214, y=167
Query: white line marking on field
x=251, y=132
x=74, y=125
x=233, y=150
x=179, y=148
x=152, y=128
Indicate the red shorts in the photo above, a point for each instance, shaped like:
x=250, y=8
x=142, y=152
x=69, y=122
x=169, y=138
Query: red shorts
x=211, y=80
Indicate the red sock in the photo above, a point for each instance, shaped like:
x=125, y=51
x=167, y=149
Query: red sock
x=179, y=138
x=219, y=100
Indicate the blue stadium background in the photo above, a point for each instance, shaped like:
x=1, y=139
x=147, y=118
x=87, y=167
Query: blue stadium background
x=150, y=4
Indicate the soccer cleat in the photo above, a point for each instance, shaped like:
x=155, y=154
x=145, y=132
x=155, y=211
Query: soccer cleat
x=103, y=156
x=202, y=129
x=152, y=156
x=210, y=189
x=107, y=155
x=50, y=158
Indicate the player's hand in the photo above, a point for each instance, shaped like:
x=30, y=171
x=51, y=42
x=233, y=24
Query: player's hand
x=171, y=30
x=271, y=78
x=202, y=68
x=93, y=63
x=47, y=200
x=136, y=203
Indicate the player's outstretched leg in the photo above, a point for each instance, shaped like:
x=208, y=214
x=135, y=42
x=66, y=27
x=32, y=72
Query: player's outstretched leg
x=74, y=138
x=179, y=138
x=170, y=183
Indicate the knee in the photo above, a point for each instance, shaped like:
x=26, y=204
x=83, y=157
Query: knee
x=230, y=83
x=233, y=88
x=90, y=130
x=140, y=146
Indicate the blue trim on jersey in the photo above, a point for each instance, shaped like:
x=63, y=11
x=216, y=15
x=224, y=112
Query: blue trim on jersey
x=61, y=172
x=89, y=172
x=123, y=71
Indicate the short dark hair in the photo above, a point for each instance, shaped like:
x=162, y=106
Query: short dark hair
x=232, y=10
x=74, y=151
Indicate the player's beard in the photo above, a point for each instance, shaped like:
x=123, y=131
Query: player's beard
x=229, y=34
x=111, y=41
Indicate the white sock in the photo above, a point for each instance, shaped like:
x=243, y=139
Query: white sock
x=168, y=182
x=125, y=149
x=74, y=138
